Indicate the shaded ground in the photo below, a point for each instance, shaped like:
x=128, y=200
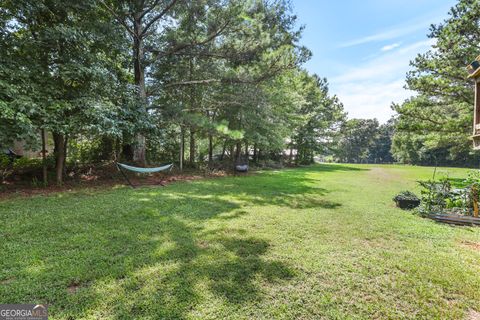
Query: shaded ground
x=24, y=189
x=317, y=242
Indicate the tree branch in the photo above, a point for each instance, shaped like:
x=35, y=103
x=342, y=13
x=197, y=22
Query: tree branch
x=158, y=16
x=184, y=46
x=146, y=11
x=192, y=82
x=118, y=18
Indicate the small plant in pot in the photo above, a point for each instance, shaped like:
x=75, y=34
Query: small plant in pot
x=406, y=200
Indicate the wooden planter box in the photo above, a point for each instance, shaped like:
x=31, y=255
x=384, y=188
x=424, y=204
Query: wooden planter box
x=407, y=204
x=456, y=219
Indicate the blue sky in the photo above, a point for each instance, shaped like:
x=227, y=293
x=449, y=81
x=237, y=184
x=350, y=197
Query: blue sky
x=363, y=47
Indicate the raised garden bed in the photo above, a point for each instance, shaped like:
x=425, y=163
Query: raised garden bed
x=456, y=219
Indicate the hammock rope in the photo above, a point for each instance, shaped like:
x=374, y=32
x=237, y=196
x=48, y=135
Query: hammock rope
x=141, y=170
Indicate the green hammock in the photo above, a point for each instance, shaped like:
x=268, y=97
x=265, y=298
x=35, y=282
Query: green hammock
x=141, y=170
x=145, y=170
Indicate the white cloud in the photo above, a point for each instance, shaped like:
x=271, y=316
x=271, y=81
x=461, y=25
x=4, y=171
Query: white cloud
x=394, y=33
x=368, y=89
x=418, y=24
x=390, y=47
x=372, y=100
x=386, y=66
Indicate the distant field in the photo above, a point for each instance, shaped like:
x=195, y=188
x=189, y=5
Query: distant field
x=317, y=242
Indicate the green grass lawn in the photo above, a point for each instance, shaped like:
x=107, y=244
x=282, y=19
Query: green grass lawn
x=319, y=242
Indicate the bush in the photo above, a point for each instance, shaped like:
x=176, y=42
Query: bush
x=6, y=167
x=406, y=195
x=439, y=197
x=434, y=195
x=406, y=200
x=22, y=167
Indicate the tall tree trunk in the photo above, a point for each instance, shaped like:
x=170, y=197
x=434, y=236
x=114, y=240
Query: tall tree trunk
x=255, y=160
x=139, y=72
x=59, y=152
x=232, y=151
x=192, y=147
x=247, y=154
x=127, y=152
x=182, y=147
x=108, y=148
x=117, y=149
x=290, y=156
x=192, y=108
x=238, y=152
x=139, y=152
x=65, y=149
x=224, y=149
x=210, y=148
x=44, y=158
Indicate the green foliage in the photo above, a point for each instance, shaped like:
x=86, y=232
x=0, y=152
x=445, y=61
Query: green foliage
x=363, y=141
x=86, y=150
x=434, y=194
x=406, y=195
x=449, y=196
x=435, y=125
x=23, y=165
x=224, y=77
x=316, y=119
x=6, y=167
x=26, y=164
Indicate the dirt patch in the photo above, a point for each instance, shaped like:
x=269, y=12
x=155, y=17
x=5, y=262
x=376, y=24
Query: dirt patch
x=383, y=174
x=472, y=245
x=203, y=244
x=7, y=281
x=26, y=191
x=73, y=287
x=473, y=315
x=12, y=190
x=76, y=286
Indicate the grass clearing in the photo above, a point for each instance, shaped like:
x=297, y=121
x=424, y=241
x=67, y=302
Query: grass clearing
x=318, y=242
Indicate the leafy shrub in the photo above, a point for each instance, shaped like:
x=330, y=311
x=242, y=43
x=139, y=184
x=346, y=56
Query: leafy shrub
x=434, y=195
x=459, y=198
x=22, y=166
x=406, y=195
x=6, y=167
x=439, y=197
x=83, y=150
x=271, y=164
x=25, y=164
x=406, y=200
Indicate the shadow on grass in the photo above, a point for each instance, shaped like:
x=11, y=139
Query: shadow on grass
x=144, y=252
x=225, y=264
x=288, y=188
x=335, y=167
x=130, y=263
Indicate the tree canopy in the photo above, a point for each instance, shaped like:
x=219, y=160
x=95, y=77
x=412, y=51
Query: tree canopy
x=435, y=125
x=141, y=80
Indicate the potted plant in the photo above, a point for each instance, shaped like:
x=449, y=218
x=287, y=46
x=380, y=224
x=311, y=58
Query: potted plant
x=406, y=200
